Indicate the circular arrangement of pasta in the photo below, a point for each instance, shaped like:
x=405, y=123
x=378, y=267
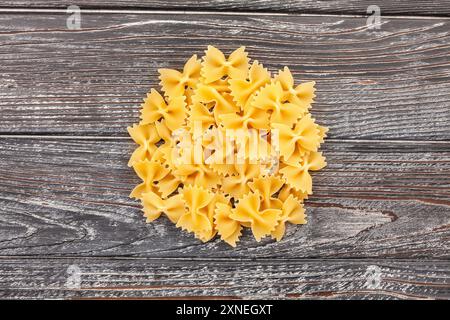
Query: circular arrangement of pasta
x=227, y=146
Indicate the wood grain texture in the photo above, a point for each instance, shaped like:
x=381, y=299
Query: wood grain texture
x=402, y=7
x=391, y=83
x=69, y=95
x=220, y=279
x=374, y=200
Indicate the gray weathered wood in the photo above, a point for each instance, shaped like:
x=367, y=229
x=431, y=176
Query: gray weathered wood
x=64, y=199
x=402, y=7
x=391, y=83
x=152, y=279
x=375, y=199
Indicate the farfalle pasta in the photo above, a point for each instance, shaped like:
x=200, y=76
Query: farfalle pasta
x=225, y=146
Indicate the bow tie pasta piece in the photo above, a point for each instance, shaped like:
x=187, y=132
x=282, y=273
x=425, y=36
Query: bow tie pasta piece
x=154, y=206
x=294, y=143
x=215, y=66
x=194, y=219
x=200, y=117
x=227, y=147
x=198, y=174
x=237, y=185
x=209, y=211
x=270, y=98
x=168, y=185
x=228, y=228
x=287, y=190
x=146, y=136
x=149, y=172
x=297, y=174
x=302, y=95
x=192, y=170
x=176, y=84
x=221, y=102
x=292, y=211
x=242, y=90
x=262, y=222
x=160, y=154
x=267, y=187
x=220, y=85
x=155, y=108
x=163, y=131
x=251, y=118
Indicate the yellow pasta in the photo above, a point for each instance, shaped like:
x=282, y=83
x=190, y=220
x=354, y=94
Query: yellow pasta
x=163, y=131
x=200, y=114
x=146, y=136
x=295, y=143
x=250, y=118
x=215, y=66
x=242, y=90
x=209, y=211
x=227, y=148
x=270, y=98
x=302, y=95
x=149, y=172
x=262, y=222
x=193, y=173
x=176, y=84
x=196, y=218
x=156, y=108
x=237, y=185
x=291, y=211
x=222, y=102
x=154, y=206
x=287, y=190
x=168, y=185
x=297, y=174
x=228, y=228
x=267, y=187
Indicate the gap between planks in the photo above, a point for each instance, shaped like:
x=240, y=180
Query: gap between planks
x=220, y=259
x=208, y=12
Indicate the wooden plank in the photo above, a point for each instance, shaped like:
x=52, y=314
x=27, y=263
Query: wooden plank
x=400, y=7
x=391, y=83
x=375, y=199
x=143, y=278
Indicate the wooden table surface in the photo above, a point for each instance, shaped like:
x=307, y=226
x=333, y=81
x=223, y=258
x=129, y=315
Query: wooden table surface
x=379, y=219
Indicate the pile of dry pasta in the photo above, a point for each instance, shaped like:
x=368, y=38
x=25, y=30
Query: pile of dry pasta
x=227, y=147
